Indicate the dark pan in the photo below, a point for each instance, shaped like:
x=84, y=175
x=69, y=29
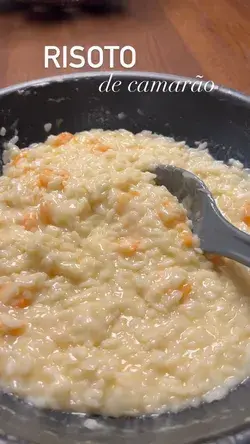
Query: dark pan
x=74, y=103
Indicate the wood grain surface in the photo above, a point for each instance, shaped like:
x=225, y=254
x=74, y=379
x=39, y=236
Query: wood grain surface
x=186, y=37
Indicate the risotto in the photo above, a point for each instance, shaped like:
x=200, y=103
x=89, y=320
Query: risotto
x=107, y=304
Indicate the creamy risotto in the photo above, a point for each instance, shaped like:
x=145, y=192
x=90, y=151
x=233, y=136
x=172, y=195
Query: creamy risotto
x=107, y=304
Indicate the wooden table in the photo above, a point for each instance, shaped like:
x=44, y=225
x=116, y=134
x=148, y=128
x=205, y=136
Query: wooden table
x=187, y=37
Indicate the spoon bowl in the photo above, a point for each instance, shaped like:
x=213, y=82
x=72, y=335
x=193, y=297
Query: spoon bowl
x=216, y=234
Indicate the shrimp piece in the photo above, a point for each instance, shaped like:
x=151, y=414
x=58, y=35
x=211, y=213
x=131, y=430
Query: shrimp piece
x=12, y=295
x=17, y=158
x=171, y=220
x=187, y=239
x=30, y=222
x=11, y=326
x=48, y=175
x=24, y=171
x=45, y=213
x=246, y=214
x=16, y=331
x=93, y=140
x=4, y=330
x=166, y=203
x=128, y=247
x=134, y=193
x=65, y=176
x=44, y=178
x=216, y=260
x=186, y=290
x=102, y=148
x=62, y=139
x=22, y=302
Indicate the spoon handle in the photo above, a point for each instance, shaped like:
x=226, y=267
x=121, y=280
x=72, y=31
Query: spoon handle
x=226, y=240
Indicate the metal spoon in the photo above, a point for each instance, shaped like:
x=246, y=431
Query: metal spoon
x=216, y=234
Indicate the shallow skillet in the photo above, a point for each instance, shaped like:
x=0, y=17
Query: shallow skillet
x=74, y=103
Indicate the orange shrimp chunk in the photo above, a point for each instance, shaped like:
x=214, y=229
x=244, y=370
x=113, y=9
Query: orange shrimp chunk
x=128, y=247
x=47, y=175
x=246, y=214
x=45, y=213
x=134, y=193
x=12, y=295
x=170, y=221
x=102, y=148
x=186, y=290
x=17, y=158
x=44, y=178
x=22, y=303
x=218, y=261
x=13, y=331
x=16, y=331
x=166, y=203
x=62, y=139
x=188, y=240
x=93, y=140
x=27, y=170
x=30, y=222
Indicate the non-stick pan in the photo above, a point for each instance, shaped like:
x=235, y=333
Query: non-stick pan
x=74, y=103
